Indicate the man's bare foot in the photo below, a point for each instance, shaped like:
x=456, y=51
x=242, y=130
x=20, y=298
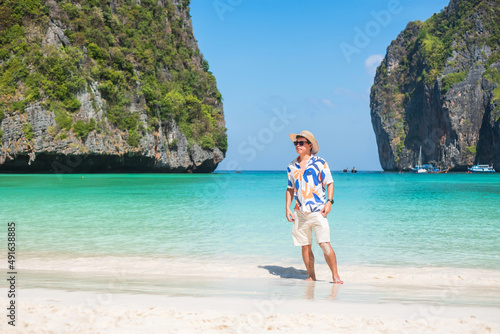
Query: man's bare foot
x=310, y=279
x=337, y=281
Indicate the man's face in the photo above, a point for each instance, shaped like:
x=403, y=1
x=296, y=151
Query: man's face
x=303, y=146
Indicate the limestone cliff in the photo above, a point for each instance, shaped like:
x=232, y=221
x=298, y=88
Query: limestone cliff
x=438, y=87
x=105, y=86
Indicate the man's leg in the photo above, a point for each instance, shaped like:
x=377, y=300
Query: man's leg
x=308, y=257
x=331, y=260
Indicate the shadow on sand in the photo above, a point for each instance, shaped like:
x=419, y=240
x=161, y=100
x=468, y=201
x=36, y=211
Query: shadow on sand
x=289, y=272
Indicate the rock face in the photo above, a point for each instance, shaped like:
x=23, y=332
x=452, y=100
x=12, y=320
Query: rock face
x=438, y=88
x=98, y=152
x=134, y=130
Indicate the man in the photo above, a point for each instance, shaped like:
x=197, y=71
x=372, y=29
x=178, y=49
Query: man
x=308, y=178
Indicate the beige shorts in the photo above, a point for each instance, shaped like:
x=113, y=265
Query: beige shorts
x=305, y=223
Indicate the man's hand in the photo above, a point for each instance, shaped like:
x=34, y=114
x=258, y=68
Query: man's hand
x=289, y=196
x=328, y=205
x=326, y=209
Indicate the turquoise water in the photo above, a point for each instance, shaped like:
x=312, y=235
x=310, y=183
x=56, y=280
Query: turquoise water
x=382, y=219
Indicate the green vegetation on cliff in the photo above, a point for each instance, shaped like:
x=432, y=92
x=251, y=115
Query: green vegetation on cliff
x=452, y=79
x=427, y=45
x=130, y=50
x=436, y=39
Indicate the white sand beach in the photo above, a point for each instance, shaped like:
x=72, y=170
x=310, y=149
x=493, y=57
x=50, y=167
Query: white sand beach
x=256, y=299
x=55, y=311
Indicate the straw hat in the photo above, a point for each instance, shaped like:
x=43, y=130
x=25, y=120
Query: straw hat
x=309, y=136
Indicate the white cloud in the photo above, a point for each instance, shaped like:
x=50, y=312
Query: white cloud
x=318, y=104
x=372, y=62
x=328, y=103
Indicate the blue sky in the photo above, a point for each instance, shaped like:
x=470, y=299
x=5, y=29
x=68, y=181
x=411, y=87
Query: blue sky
x=284, y=66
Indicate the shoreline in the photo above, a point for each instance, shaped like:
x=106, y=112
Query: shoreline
x=179, y=295
x=253, y=280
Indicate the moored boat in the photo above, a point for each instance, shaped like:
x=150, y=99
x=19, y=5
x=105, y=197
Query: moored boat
x=439, y=171
x=419, y=168
x=427, y=168
x=481, y=169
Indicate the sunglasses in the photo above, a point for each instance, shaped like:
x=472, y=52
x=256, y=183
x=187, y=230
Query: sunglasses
x=300, y=142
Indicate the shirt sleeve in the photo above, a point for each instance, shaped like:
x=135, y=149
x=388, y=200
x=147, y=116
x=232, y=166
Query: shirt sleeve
x=291, y=181
x=327, y=178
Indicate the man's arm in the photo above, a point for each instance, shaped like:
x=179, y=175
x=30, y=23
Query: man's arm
x=328, y=206
x=289, y=197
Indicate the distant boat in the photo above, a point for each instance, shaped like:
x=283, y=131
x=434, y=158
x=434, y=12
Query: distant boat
x=353, y=170
x=481, y=169
x=419, y=168
x=427, y=168
x=431, y=169
x=345, y=170
x=438, y=171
